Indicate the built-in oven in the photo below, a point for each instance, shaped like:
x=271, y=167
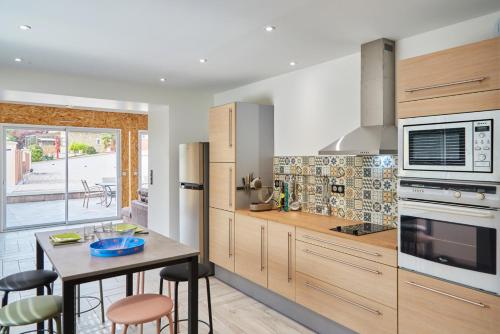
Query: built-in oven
x=457, y=146
x=451, y=231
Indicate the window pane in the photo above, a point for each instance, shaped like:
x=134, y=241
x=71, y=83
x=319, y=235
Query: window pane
x=143, y=168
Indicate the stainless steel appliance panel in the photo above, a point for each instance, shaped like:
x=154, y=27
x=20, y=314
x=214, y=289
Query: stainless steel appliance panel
x=191, y=163
x=191, y=218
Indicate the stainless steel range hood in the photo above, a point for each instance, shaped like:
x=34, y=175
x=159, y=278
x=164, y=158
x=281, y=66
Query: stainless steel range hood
x=377, y=134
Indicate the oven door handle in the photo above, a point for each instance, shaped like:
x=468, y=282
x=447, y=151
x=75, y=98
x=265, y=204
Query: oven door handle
x=448, y=210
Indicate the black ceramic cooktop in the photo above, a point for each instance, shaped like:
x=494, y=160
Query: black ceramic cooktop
x=362, y=229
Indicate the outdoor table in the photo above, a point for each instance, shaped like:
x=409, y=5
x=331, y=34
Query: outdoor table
x=107, y=187
x=75, y=265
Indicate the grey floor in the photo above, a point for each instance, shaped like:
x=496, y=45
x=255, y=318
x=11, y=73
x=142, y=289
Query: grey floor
x=233, y=311
x=48, y=212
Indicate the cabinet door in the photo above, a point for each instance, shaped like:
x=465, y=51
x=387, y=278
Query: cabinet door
x=428, y=305
x=281, y=259
x=221, y=236
x=461, y=70
x=221, y=133
x=250, y=248
x=222, y=186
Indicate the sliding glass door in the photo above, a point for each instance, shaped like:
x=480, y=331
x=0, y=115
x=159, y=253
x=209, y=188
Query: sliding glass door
x=59, y=175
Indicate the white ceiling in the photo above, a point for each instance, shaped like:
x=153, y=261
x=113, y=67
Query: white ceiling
x=142, y=41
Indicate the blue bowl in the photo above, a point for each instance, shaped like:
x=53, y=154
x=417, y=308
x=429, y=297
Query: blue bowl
x=117, y=246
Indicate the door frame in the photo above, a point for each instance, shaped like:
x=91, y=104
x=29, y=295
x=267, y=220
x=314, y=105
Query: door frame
x=66, y=129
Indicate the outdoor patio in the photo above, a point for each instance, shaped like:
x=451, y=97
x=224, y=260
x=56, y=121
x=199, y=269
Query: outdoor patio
x=34, y=213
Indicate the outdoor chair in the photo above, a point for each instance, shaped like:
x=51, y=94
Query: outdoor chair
x=91, y=192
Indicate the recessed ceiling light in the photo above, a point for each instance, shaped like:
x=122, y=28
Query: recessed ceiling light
x=292, y=63
x=203, y=60
x=25, y=27
x=270, y=28
x=163, y=79
x=18, y=60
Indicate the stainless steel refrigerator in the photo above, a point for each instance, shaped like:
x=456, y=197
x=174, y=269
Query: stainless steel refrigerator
x=193, y=197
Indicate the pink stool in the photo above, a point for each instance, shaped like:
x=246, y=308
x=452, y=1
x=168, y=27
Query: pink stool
x=140, y=309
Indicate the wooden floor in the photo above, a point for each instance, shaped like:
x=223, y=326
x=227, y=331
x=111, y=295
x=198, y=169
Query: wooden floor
x=233, y=312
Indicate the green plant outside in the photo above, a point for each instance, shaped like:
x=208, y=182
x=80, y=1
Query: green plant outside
x=36, y=153
x=77, y=147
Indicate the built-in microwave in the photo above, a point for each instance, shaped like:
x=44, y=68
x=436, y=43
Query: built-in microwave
x=456, y=146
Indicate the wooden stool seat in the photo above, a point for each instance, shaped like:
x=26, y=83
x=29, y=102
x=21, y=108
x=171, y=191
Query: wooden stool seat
x=139, y=309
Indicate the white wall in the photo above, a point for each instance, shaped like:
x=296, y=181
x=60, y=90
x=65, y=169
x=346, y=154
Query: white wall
x=176, y=116
x=318, y=104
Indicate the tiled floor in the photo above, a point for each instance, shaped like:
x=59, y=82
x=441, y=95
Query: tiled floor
x=233, y=312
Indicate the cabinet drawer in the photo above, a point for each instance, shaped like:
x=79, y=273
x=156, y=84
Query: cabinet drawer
x=355, y=312
x=221, y=242
x=428, y=305
x=356, y=248
x=461, y=70
x=222, y=186
x=369, y=279
x=221, y=133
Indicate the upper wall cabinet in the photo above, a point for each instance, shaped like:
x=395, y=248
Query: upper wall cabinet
x=461, y=79
x=221, y=133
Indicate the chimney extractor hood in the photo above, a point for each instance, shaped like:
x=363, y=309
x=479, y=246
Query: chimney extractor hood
x=377, y=134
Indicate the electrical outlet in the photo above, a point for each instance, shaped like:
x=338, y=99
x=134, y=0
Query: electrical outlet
x=338, y=189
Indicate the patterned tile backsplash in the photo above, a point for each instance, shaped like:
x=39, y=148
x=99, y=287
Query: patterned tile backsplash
x=369, y=181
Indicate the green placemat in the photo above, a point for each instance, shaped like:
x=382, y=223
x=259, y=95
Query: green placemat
x=65, y=237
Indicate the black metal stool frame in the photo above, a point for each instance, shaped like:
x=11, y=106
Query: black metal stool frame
x=176, y=306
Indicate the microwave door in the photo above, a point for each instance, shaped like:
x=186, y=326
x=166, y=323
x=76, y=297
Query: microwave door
x=446, y=147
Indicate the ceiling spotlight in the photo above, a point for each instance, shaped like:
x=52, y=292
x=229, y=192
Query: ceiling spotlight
x=203, y=60
x=270, y=28
x=18, y=60
x=25, y=27
x=292, y=63
x=162, y=79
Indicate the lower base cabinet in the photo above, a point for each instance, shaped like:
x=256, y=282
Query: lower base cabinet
x=348, y=309
x=428, y=305
x=281, y=259
x=250, y=248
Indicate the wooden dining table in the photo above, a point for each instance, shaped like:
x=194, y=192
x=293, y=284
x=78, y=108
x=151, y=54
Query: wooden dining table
x=75, y=265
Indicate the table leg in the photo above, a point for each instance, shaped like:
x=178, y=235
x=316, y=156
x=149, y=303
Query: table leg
x=129, y=282
x=193, y=296
x=39, y=291
x=68, y=294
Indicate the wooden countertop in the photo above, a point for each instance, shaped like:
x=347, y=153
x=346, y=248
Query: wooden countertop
x=323, y=224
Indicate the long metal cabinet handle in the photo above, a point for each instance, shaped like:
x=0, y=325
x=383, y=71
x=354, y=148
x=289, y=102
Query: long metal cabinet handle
x=373, y=271
x=447, y=294
x=454, y=83
x=261, y=248
x=343, y=246
x=230, y=127
x=230, y=236
x=289, y=257
x=329, y=293
x=230, y=187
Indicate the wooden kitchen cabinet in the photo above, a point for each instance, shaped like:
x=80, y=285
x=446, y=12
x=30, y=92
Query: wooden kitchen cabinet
x=250, y=248
x=429, y=305
x=222, y=189
x=281, y=259
x=356, y=312
x=221, y=133
x=221, y=243
x=461, y=79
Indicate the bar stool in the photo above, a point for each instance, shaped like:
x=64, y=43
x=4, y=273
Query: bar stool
x=140, y=309
x=31, y=311
x=180, y=273
x=27, y=280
